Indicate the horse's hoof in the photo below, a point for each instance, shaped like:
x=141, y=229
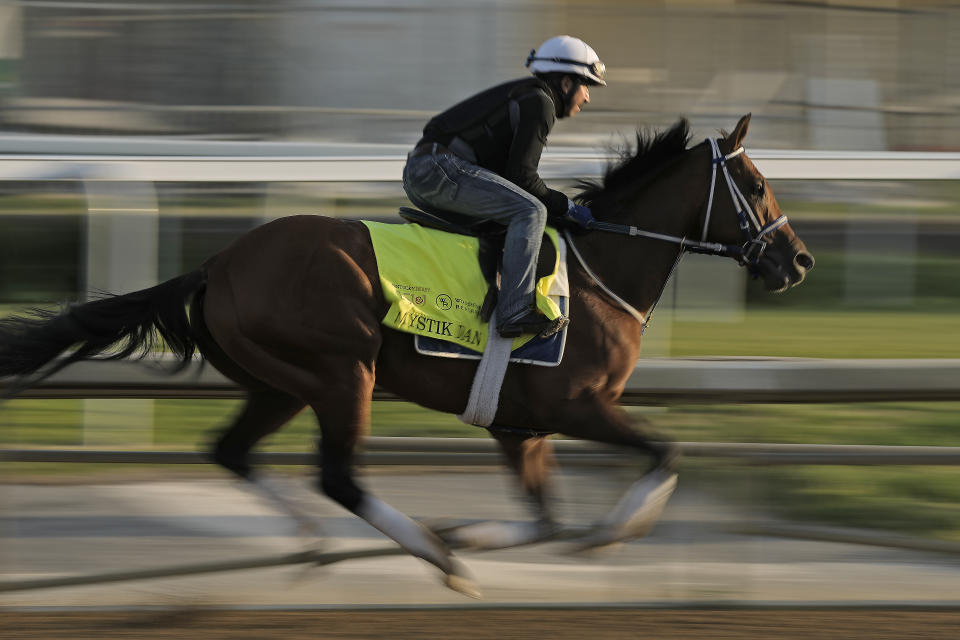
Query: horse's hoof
x=651, y=494
x=466, y=586
x=634, y=516
x=487, y=536
x=460, y=580
x=594, y=545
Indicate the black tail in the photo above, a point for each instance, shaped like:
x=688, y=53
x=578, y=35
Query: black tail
x=30, y=345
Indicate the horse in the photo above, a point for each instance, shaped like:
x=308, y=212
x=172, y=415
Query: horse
x=291, y=311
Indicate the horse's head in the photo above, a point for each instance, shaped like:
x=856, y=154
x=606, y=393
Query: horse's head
x=744, y=216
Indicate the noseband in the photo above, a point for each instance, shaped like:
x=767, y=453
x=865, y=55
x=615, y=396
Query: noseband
x=748, y=254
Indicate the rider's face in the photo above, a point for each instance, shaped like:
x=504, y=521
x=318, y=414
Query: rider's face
x=580, y=97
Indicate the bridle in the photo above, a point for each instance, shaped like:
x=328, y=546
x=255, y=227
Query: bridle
x=747, y=254
x=750, y=252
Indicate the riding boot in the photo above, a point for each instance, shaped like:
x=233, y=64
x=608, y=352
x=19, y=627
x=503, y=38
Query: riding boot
x=531, y=321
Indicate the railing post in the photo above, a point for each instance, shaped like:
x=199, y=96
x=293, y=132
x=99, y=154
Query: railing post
x=121, y=256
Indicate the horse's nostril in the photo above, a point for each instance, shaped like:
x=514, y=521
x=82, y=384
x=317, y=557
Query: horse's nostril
x=803, y=261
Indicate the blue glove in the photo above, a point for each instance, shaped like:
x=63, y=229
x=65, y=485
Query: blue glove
x=579, y=214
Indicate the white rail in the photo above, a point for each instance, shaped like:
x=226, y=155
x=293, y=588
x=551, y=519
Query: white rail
x=274, y=162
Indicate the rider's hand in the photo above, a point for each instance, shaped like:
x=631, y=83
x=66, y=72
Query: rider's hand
x=579, y=214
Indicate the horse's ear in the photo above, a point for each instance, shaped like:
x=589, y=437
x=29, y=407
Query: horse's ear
x=735, y=139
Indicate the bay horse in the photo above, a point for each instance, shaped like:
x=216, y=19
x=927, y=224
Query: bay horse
x=292, y=311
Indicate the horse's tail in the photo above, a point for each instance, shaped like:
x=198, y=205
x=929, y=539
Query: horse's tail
x=30, y=345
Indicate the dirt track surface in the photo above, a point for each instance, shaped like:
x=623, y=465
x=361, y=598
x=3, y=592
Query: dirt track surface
x=532, y=624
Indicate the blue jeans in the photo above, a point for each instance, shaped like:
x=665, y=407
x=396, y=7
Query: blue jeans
x=442, y=182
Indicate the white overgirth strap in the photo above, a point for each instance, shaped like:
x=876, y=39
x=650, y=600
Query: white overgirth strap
x=485, y=392
x=487, y=382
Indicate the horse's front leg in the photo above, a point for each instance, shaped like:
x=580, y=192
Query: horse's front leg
x=530, y=457
x=643, y=503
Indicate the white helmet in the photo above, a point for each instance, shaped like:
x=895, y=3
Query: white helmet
x=570, y=55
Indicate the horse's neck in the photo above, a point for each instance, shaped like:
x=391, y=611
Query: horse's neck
x=637, y=268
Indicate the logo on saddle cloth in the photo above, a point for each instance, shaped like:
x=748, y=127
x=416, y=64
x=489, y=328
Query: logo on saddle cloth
x=433, y=282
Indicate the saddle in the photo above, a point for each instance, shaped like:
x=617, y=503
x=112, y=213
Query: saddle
x=491, y=236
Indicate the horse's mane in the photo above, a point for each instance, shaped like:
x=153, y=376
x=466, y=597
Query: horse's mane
x=653, y=151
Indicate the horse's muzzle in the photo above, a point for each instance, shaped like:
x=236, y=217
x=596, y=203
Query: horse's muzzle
x=781, y=270
x=802, y=262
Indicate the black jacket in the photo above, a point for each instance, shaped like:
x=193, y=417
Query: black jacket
x=506, y=127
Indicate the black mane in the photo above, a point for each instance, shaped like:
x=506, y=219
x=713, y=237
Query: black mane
x=653, y=152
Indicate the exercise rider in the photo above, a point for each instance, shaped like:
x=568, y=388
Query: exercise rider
x=480, y=158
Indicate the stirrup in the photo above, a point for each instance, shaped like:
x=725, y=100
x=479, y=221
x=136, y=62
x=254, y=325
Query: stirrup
x=532, y=322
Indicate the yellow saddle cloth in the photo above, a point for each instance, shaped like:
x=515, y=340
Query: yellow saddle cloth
x=435, y=288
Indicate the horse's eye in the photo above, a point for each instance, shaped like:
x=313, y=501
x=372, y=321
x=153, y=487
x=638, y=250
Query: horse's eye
x=758, y=188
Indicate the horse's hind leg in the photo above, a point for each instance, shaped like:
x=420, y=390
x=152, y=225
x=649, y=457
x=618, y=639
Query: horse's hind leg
x=343, y=415
x=264, y=413
x=341, y=401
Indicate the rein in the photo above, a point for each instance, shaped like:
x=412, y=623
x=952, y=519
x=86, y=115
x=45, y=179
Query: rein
x=747, y=254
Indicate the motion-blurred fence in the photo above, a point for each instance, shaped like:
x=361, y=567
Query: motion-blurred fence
x=655, y=381
x=476, y=452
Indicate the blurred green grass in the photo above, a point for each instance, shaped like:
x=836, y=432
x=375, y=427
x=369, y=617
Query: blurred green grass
x=190, y=424
x=809, y=333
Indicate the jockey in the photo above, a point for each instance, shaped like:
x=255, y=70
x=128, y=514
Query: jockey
x=480, y=158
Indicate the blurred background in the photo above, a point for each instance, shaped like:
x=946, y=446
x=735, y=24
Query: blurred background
x=338, y=78
x=817, y=74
